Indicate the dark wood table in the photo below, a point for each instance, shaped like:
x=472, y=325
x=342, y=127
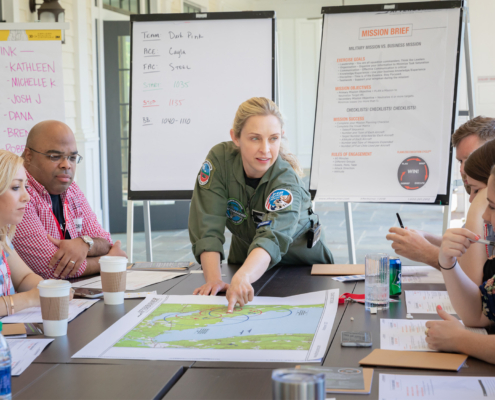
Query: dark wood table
x=55, y=375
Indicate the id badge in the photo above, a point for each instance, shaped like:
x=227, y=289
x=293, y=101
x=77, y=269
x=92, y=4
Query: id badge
x=257, y=216
x=78, y=224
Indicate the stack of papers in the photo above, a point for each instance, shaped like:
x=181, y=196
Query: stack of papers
x=134, y=280
x=33, y=314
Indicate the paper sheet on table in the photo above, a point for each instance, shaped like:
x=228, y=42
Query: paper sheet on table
x=421, y=274
x=24, y=352
x=33, y=314
x=134, y=280
x=138, y=295
x=426, y=301
x=268, y=329
x=394, y=387
x=407, y=334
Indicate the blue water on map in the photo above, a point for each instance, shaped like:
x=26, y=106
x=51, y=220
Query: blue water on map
x=300, y=320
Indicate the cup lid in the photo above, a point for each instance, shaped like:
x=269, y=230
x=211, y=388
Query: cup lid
x=54, y=284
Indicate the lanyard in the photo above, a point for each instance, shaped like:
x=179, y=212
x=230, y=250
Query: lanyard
x=6, y=290
x=65, y=212
x=350, y=297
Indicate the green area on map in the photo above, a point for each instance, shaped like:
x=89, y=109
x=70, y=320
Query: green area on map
x=208, y=326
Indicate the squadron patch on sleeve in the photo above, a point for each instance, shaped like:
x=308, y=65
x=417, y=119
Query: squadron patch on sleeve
x=235, y=211
x=206, y=173
x=278, y=200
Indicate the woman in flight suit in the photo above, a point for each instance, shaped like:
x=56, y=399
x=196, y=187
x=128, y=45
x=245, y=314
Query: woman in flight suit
x=252, y=185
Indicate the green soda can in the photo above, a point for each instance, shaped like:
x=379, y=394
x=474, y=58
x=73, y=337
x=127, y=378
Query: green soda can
x=395, y=276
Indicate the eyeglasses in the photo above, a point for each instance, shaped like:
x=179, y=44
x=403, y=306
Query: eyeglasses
x=56, y=158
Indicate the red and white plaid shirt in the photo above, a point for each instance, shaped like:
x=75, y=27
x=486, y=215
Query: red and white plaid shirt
x=30, y=239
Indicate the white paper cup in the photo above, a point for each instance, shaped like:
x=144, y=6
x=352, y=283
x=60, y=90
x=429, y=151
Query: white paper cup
x=113, y=272
x=54, y=299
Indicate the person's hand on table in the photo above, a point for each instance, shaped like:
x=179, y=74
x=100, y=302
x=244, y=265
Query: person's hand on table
x=212, y=288
x=455, y=243
x=408, y=243
x=444, y=335
x=70, y=255
x=240, y=291
x=116, y=250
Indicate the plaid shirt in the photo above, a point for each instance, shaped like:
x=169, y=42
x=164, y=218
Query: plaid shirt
x=30, y=240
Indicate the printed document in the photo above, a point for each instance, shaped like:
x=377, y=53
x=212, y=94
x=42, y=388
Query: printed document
x=426, y=301
x=134, y=280
x=33, y=314
x=24, y=352
x=400, y=387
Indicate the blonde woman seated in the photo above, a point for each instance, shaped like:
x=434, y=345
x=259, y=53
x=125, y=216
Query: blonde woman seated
x=17, y=282
x=474, y=305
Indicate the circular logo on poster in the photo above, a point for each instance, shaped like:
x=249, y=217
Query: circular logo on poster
x=413, y=173
x=235, y=211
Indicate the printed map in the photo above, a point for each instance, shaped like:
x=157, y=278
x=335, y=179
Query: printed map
x=209, y=326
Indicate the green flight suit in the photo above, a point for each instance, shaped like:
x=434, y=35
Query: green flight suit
x=222, y=198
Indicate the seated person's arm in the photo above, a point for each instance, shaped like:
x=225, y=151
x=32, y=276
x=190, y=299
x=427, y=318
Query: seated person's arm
x=25, y=283
x=463, y=292
x=435, y=240
x=451, y=336
x=474, y=259
x=240, y=289
x=38, y=251
x=93, y=263
x=414, y=245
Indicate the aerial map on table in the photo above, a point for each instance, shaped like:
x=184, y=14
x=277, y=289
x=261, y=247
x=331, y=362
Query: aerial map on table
x=292, y=329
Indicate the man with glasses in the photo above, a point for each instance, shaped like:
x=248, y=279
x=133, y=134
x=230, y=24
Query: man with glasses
x=59, y=236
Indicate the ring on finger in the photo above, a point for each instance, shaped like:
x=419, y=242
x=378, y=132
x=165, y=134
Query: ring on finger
x=73, y=262
x=426, y=332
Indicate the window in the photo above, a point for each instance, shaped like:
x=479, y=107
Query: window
x=127, y=7
x=189, y=8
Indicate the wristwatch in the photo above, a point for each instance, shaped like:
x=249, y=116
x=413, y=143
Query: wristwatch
x=88, y=241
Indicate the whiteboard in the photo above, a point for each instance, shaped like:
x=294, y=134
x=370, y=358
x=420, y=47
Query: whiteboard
x=189, y=76
x=32, y=89
x=386, y=103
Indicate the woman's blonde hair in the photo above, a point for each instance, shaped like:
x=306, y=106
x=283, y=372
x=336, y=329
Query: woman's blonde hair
x=9, y=165
x=263, y=106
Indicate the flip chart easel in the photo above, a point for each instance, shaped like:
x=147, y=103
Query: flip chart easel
x=189, y=73
x=463, y=35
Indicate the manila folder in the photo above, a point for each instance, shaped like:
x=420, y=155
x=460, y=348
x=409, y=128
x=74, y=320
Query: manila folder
x=415, y=359
x=337, y=269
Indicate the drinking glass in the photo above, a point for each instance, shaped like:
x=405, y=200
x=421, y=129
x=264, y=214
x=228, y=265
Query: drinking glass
x=377, y=281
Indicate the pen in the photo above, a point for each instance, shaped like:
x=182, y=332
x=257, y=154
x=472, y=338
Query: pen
x=482, y=241
x=400, y=221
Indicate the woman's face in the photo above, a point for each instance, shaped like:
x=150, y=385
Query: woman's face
x=475, y=185
x=13, y=201
x=259, y=144
x=489, y=214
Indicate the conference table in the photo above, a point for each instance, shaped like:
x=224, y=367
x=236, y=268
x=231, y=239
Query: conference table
x=55, y=375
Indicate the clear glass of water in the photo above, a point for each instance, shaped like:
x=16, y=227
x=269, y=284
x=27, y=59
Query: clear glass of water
x=377, y=281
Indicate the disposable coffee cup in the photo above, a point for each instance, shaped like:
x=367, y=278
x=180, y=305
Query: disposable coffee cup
x=54, y=300
x=113, y=271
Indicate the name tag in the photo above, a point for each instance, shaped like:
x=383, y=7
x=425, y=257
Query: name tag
x=78, y=223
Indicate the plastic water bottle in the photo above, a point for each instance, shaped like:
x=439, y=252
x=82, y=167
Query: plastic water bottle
x=5, y=368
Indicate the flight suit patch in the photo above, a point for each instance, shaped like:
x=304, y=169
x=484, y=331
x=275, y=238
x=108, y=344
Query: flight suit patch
x=235, y=211
x=278, y=200
x=205, y=174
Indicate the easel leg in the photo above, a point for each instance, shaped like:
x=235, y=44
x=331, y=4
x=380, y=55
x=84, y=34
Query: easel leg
x=147, y=230
x=130, y=230
x=350, y=233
